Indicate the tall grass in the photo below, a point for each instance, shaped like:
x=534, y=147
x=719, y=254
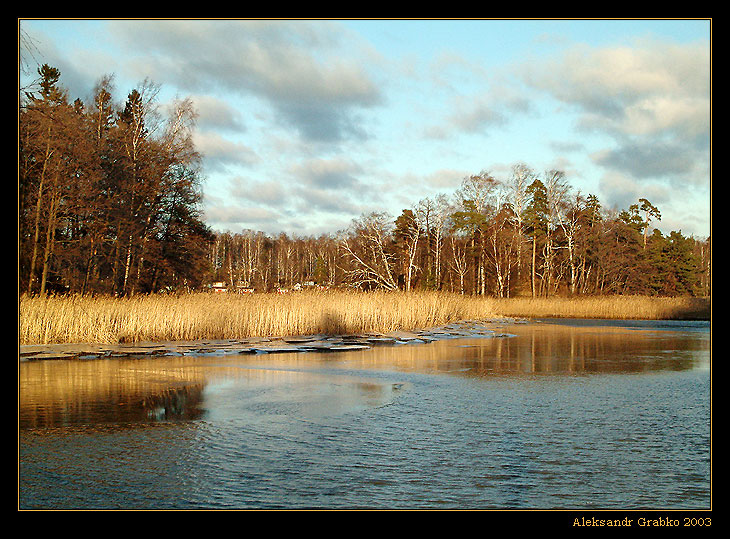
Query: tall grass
x=607, y=307
x=220, y=316
x=79, y=319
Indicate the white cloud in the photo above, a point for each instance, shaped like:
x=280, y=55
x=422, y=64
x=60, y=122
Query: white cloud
x=269, y=193
x=649, y=105
x=219, y=152
x=296, y=67
x=214, y=113
x=237, y=217
x=309, y=113
x=328, y=174
x=620, y=191
x=649, y=89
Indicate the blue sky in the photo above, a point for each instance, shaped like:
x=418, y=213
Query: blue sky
x=305, y=125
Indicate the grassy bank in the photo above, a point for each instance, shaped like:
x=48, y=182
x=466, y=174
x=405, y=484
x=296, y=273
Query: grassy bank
x=607, y=307
x=79, y=319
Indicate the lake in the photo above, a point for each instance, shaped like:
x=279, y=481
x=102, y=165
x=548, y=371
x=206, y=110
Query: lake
x=562, y=414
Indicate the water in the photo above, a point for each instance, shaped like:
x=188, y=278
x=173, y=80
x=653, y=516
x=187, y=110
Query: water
x=570, y=415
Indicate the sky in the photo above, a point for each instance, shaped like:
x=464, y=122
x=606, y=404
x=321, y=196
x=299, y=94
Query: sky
x=305, y=125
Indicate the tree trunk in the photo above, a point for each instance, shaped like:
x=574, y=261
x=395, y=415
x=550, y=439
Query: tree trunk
x=534, y=256
x=39, y=204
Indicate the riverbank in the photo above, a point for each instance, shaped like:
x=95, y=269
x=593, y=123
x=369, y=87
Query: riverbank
x=606, y=307
x=269, y=345
x=206, y=316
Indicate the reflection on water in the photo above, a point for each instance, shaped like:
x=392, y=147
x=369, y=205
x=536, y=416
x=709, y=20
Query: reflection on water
x=57, y=393
x=172, y=388
x=124, y=391
x=548, y=348
x=553, y=415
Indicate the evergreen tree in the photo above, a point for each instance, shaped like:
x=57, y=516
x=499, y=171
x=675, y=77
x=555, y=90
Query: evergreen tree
x=676, y=267
x=536, y=223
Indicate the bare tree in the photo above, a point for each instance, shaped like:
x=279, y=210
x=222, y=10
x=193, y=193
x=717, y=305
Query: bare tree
x=570, y=223
x=556, y=189
x=458, y=261
x=521, y=177
x=434, y=214
x=476, y=198
x=367, y=248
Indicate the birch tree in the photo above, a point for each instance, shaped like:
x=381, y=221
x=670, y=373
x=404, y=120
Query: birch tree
x=556, y=192
x=521, y=178
x=476, y=200
x=366, y=245
x=434, y=214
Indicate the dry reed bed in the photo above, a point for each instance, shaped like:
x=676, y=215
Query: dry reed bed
x=78, y=319
x=606, y=307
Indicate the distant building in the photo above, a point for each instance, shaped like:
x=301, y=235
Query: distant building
x=219, y=288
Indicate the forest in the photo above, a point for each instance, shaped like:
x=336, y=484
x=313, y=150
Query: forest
x=110, y=203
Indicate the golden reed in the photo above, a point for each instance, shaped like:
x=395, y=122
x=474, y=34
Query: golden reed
x=86, y=319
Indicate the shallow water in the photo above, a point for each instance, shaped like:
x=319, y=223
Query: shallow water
x=567, y=415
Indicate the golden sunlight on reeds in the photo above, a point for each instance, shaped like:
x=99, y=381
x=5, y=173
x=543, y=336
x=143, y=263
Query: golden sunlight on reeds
x=78, y=319
x=607, y=307
x=221, y=316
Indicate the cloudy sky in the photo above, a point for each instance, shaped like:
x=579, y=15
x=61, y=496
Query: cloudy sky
x=308, y=124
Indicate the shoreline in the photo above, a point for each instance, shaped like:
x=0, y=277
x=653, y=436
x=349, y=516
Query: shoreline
x=488, y=328
x=205, y=316
x=267, y=345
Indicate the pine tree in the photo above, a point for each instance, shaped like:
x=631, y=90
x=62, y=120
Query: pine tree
x=536, y=223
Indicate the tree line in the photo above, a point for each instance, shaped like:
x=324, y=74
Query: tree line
x=109, y=195
x=109, y=203
x=530, y=235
